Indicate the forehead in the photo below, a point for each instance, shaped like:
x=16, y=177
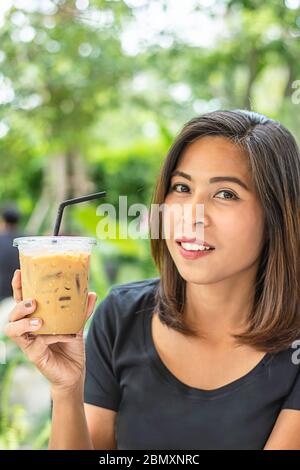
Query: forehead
x=212, y=156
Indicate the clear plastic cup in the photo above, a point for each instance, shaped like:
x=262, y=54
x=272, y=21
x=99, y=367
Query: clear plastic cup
x=55, y=272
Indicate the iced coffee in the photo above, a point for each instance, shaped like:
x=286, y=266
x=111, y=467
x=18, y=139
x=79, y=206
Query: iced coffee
x=55, y=272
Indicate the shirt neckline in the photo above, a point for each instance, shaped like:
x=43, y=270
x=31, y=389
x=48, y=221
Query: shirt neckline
x=182, y=387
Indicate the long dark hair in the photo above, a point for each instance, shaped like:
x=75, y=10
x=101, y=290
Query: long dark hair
x=274, y=162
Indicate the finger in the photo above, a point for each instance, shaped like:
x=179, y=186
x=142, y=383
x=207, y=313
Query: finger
x=32, y=345
x=92, y=298
x=16, y=284
x=52, y=339
x=22, y=309
x=18, y=328
x=34, y=348
x=24, y=341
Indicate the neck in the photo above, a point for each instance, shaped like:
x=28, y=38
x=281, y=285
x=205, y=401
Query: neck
x=221, y=309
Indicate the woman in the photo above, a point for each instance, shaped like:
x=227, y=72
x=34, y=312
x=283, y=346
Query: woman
x=204, y=356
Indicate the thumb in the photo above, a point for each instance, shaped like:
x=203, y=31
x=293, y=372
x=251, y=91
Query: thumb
x=92, y=298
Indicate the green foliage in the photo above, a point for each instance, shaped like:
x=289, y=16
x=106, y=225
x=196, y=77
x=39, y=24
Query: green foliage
x=13, y=426
x=68, y=89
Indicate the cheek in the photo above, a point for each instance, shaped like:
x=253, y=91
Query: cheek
x=169, y=229
x=171, y=218
x=244, y=231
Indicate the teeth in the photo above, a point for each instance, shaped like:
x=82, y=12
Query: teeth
x=194, y=247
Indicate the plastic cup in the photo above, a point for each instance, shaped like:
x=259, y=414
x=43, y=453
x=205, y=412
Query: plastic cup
x=55, y=272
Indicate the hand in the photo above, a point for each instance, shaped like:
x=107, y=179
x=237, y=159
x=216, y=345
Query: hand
x=60, y=358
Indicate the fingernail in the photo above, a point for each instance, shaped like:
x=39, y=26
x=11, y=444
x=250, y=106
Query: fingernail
x=34, y=322
x=28, y=303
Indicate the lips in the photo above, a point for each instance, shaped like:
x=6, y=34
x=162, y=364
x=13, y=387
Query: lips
x=195, y=241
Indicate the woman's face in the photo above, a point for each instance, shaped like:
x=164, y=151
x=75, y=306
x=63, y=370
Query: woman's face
x=232, y=222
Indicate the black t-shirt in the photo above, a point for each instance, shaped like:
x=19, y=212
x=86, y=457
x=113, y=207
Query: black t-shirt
x=155, y=409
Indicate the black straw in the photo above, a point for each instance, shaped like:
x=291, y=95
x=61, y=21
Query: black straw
x=76, y=200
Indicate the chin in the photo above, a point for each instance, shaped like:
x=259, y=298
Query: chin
x=194, y=277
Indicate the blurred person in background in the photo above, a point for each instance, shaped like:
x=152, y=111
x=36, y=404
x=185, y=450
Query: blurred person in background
x=23, y=377
x=9, y=257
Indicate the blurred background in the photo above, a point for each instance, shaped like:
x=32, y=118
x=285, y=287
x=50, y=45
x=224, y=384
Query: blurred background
x=92, y=93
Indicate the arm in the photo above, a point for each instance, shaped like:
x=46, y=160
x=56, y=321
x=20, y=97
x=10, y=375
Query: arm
x=69, y=428
x=101, y=424
x=78, y=425
x=286, y=432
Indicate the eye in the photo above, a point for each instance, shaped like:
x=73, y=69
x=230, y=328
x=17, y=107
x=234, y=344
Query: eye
x=174, y=187
x=233, y=198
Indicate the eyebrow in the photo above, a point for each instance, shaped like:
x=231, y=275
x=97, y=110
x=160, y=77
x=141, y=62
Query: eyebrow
x=215, y=179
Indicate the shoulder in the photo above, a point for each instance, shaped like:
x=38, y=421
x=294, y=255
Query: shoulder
x=136, y=295
x=284, y=368
x=124, y=302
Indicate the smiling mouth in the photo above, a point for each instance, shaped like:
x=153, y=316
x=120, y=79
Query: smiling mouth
x=194, y=247
x=195, y=252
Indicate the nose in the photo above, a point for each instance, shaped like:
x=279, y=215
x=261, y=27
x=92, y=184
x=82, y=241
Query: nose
x=192, y=218
x=196, y=217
